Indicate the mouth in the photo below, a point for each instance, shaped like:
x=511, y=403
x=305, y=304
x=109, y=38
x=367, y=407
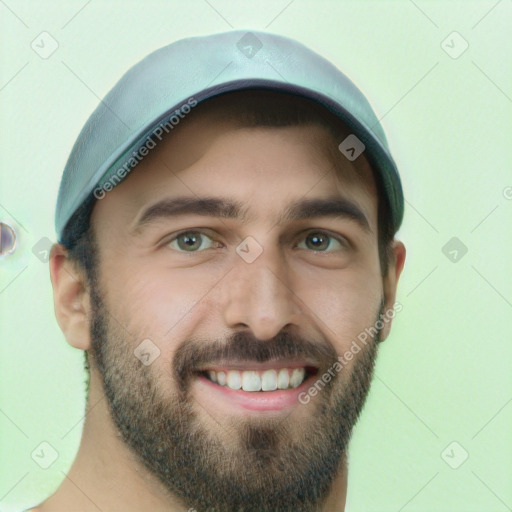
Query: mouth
x=272, y=386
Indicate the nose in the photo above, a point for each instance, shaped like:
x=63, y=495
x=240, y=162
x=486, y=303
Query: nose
x=259, y=296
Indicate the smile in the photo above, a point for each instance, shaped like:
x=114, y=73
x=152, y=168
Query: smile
x=270, y=386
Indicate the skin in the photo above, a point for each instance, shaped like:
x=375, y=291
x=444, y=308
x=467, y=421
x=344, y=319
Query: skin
x=151, y=290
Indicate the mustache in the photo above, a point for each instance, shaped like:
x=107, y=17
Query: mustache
x=243, y=346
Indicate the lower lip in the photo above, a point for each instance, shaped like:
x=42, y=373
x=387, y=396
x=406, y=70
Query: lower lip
x=254, y=400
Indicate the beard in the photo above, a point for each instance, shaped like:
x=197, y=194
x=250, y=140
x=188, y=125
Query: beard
x=249, y=464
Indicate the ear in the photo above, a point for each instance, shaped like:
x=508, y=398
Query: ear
x=71, y=298
x=390, y=282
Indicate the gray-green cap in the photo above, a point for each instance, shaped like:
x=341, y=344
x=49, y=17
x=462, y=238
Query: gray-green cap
x=163, y=87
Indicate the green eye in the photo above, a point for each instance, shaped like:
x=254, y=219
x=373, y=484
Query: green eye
x=191, y=241
x=322, y=242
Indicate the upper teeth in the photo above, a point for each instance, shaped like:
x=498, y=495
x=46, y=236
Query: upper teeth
x=253, y=380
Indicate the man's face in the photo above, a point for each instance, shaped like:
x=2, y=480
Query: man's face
x=279, y=318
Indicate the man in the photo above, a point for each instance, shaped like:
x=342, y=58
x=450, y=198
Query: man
x=227, y=262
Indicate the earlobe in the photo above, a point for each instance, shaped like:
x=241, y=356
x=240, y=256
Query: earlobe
x=71, y=299
x=390, y=283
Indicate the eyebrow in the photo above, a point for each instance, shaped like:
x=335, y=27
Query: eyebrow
x=334, y=207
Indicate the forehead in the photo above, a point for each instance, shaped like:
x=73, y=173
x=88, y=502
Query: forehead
x=314, y=127
x=210, y=154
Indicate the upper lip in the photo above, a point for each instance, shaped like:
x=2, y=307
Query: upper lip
x=254, y=365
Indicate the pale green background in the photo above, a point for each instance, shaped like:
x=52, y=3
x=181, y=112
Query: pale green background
x=445, y=373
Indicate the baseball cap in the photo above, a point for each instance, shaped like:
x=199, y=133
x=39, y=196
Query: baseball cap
x=153, y=95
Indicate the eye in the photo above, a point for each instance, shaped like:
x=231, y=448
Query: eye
x=191, y=241
x=323, y=242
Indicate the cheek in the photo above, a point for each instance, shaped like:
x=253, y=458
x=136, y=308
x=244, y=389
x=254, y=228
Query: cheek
x=159, y=303
x=344, y=305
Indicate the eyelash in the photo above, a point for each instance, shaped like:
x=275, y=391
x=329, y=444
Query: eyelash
x=341, y=240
